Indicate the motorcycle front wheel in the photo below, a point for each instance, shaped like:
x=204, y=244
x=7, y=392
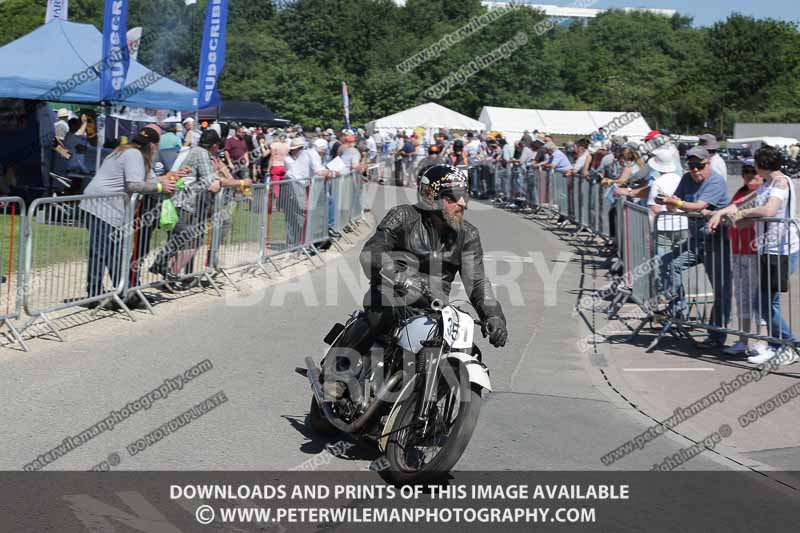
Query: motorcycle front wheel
x=418, y=454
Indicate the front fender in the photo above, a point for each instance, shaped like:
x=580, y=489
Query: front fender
x=476, y=370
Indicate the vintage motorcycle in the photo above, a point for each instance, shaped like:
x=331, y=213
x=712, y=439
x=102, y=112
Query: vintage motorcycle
x=418, y=393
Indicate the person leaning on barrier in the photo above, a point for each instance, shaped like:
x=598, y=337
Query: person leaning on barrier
x=316, y=156
x=293, y=194
x=778, y=248
x=744, y=247
x=671, y=229
x=631, y=162
x=194, y=204
x=559, y=163
x=127, y=169
x=709, y=142
x=582, y=159
x=700, y=190
x=659, y=161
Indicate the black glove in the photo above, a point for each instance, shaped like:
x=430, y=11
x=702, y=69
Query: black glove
x=495, y=328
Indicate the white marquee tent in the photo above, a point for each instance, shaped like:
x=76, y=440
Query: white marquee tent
x=513, y=122
x=429, y=116
x=756, y=142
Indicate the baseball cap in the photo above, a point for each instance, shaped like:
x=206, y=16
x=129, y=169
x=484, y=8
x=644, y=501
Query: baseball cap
x=652, y=135
x=698, y=152
x=320, y=144
x=147, y=135
x=709, y=141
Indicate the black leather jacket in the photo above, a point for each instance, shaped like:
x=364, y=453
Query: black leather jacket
x=407, y=228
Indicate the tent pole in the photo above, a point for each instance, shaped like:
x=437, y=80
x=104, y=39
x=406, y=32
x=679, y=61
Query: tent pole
x=101, y=135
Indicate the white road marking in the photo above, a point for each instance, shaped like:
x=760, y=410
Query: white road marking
x=668, y=369
x=508, y=258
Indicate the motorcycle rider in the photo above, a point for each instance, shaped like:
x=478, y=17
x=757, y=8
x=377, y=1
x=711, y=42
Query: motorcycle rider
x=435, y=234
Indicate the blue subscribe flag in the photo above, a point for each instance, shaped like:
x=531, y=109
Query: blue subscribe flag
x=116, y=57
x=212, y=54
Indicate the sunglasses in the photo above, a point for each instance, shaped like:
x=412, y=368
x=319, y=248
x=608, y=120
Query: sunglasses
x=696, y=165
x=453, y=197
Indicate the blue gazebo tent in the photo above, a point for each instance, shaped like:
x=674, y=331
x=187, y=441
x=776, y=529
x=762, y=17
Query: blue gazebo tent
x=59, y=61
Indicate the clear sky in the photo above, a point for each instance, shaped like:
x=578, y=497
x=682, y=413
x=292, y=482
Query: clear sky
x=706, y=12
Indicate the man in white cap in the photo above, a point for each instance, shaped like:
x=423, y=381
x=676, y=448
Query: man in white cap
x=190, y=134
x=293, y=194
x=320, y=148
x=718, y=166
x=61, y=126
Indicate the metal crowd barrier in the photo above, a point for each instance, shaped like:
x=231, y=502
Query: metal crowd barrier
x=532, y=187
x=740, y=280
x=604, y=209
x=708, y=281
x=514, y=188
x=316, y=227
x=356, y=209
x=574, y=198
x=637, y=250
x=241, y=230
x=342, y=191
x=146, y=236
x=13, y=287
x=187, y=254
x=586, y=208
x=68, y=266
x=95, y=250
x=560, y=192
x=286, y=219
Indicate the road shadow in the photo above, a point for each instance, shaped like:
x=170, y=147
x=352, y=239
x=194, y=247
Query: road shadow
x=357, y=450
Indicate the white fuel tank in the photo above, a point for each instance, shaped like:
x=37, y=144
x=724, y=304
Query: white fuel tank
x=414, y=332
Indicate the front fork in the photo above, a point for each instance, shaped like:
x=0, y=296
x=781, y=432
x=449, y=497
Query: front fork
x=427, y=367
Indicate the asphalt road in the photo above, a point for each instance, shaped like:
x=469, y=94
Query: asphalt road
x=551, y=409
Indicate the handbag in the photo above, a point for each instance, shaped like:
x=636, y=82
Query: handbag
x=775, y=272
x=775, y=268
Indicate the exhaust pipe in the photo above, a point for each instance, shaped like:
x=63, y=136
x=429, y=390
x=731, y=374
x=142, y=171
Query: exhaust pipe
x=362, y=421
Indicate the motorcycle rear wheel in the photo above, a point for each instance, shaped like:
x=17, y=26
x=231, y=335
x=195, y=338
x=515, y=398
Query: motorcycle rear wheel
x=407, y=463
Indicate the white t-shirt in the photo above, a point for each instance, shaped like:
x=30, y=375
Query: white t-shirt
x=718, y=166
x=666, y=184
x=472, y=150
x=579, y=162
x=779, y=238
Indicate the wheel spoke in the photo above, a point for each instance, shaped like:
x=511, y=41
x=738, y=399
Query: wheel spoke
x=419, y=450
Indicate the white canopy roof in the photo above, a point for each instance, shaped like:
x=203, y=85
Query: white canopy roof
x=428, y=116
x=771, y=141
x=513, y=122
